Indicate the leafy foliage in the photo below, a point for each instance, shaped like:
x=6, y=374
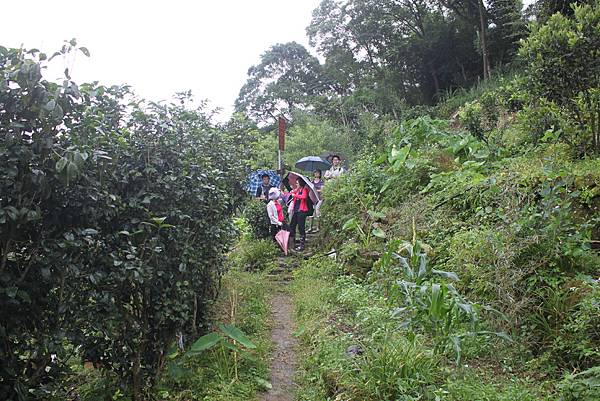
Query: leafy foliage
x=562, y=57
x=218, y=372
x=111, y=229
x=255, y=213
x=254, y=255
x=287, y=76
x=582, y=386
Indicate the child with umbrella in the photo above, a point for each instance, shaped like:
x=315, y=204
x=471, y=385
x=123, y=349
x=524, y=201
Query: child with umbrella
x=275, y=211
x=278, y=229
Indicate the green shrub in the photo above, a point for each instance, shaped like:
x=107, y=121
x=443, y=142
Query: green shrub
x=219, y=374
x=545, y=122
x=392, y=367
x=562, y=54
x=490, y=109
x=484, y=260
x=578, y=341
x=251, y=254
x=348, y=196
x=114, y=219
x=255, y=214
x=562, y=63
x=471, y=117
x=583, y=386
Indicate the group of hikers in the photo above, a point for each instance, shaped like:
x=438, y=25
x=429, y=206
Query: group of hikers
x=299, y=204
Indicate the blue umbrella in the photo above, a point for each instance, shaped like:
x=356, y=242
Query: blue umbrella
x=254, y=180
x=312, y=163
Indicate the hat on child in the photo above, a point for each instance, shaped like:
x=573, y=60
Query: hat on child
x=274, y=193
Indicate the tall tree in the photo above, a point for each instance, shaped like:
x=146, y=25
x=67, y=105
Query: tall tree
x=288, y=76
x=475, y=12
x=407, y=48
x=509, y=26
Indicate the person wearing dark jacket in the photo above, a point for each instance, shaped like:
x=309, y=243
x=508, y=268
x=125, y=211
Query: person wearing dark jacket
x=300, y=211
x=262, y=192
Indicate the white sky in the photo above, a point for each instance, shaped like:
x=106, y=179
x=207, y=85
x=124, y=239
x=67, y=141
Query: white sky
x=159, y=47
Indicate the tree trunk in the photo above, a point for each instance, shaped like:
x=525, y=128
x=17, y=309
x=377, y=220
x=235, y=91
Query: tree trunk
x=436, y=82
x=136, y=376
x=484, y=50
x=462, y=70
x=195, y=316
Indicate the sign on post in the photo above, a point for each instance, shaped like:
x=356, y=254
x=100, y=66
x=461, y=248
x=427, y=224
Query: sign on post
x=281, y=133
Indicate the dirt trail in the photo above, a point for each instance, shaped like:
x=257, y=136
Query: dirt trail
x=283, y=358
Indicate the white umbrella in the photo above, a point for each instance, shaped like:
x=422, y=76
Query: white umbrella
x=293, y=177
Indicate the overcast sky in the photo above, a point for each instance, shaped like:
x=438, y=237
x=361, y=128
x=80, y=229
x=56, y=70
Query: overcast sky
x=159, y=47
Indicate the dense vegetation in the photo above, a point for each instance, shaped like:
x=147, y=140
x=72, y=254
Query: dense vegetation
x=113, y=225
x=466, y=233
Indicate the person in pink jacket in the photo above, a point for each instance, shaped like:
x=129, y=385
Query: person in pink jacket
x=300, y=211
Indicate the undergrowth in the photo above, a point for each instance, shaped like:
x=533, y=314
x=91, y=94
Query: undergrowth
x=355, y=350
x=218, y=374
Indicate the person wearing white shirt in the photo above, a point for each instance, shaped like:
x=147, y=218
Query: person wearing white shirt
x=275, y=212
x=336, y=168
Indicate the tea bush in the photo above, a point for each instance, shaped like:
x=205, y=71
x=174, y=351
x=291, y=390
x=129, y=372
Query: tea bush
x=253, y=255
x=582, y=386
x=113, y=223
x=255, y=214
x=562, y=62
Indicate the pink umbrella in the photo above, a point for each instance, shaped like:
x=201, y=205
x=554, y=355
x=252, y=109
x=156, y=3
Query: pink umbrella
x=282, y=238
x=293, y=177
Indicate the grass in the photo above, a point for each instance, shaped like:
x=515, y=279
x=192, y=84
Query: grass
x=212, y=376
x=353, y=350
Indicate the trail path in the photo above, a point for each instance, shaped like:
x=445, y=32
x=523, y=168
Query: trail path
x=283, y=359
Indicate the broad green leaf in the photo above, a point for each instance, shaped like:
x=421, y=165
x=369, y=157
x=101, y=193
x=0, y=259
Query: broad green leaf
x=50, y=105
x=205, y=342
x=172, y=351
x=422, y=266
x=504, y=336
x=385, y=186
x=237, y=335
x=378, y=232
x=72, y=170
x=351, y=224
x=466, y=307
x=448, y=275
x=382, y=159
x=232, y=347
x=12, y=212
x=398, y=156
x=376, y=215
x=61, y=164
x=158, y=220
x=456, y=342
